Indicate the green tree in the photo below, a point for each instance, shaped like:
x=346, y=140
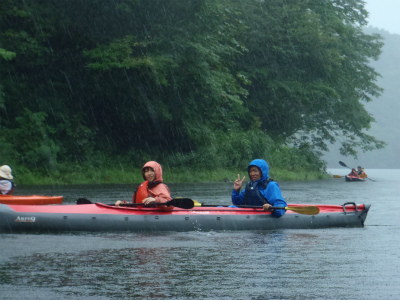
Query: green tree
x=178, y=75
x=309, y=66
x=198, y=82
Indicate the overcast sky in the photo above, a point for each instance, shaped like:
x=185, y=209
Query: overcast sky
x=384, y=14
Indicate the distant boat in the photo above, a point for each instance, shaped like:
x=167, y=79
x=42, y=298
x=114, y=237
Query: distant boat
x=30, y=200
x=351, y=178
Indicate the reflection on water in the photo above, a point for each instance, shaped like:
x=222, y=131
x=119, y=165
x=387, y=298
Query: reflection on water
x=340, y=263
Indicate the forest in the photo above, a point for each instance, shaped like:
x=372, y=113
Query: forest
x=197, y=85
x=384, y=109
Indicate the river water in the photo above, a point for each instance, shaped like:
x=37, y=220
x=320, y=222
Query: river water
x=343, y=263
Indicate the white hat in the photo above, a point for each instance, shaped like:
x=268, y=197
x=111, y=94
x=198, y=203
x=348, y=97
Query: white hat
x=5, y=172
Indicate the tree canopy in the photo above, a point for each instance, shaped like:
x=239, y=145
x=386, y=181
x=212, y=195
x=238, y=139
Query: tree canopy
x=201, y=82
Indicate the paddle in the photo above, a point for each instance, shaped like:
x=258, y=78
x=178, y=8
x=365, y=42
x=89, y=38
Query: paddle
x=338, y=176
x=185, y=203
x=344, y=165
x=304, y=210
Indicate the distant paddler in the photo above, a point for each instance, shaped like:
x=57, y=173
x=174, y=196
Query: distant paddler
x=361, y=173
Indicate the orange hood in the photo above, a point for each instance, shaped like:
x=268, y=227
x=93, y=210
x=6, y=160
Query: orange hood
x=156, y=167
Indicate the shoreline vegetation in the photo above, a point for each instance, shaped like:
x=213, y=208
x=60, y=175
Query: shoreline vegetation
x=118, y=176
x=87, y=101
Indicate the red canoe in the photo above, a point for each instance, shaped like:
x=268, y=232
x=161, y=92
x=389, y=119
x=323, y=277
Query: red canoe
x=30, y=200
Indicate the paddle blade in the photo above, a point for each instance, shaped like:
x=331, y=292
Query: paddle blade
x=83, y=201
x=305, y=210
x=337, y=176
x=197, y=203
x=343, y=164
x=184, y=203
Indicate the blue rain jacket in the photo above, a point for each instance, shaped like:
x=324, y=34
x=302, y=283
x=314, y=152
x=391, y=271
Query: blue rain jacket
x=272, y=194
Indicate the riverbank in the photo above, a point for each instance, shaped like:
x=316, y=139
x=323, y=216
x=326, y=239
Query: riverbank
x=116, y=176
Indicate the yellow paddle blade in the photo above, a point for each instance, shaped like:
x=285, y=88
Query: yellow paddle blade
x=305, y=210
x=337, y=176
x=196, y=203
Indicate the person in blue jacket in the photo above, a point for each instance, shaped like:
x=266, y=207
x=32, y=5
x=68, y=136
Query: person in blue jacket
x=260, y=191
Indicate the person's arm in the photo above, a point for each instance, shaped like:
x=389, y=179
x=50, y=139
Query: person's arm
x=159, y=194
x=279, y=212
x=237, y=197
x=274, y=195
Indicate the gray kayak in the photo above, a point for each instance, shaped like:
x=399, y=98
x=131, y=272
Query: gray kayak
x=102, y=217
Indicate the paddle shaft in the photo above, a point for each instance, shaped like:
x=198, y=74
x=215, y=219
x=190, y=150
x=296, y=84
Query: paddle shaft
x=344, y=165
x=185, y=203
x=242, y=206
x=305, y=210
x=202, y=205
x=139, y=204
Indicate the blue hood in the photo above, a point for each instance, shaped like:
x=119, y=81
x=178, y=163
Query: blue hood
x=262, y=164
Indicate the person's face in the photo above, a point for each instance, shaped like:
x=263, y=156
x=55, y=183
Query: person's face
x=255, y=173
x=149, y=174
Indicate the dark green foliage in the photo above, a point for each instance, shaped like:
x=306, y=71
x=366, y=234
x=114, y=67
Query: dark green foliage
x=31, y=143
x=310, y=74
x=200, y=83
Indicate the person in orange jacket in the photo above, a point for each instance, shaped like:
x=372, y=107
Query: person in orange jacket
x=353, y=172
x=152, y=190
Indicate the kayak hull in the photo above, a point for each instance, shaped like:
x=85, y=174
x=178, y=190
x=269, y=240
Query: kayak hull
x=100, y=217
x=354, y=178
x=30, y=200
